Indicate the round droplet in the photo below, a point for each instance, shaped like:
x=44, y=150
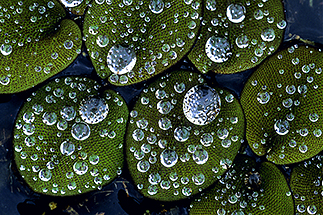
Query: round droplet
x=179, y=87
x=71, y=3
x=313, y=117
x=68, y=44
x=6, y=49
x=80, y=167
x=181, y=134
x=49, y=118
x=200, y=156
x=121, y=60
x=94, y=159
x=164, y=107
x=28, y=117
x=102, y=40
x=222, y=133
x=242, y=41
x=154, y=178
x=198, y=179
x=311, y=209
x=263, y=97
x=201, y=105
x=218, y=49
x=281, y=127
x=138, y=135
x=164, y=123
x=236, y=13
x=168, y=158
x=67, y=148
x=93, y=109
x=80, y=131
x=45, y=175
x=156, y=6
x=268, y=35
x=68, y=113
x=206, y=139
x=143, y=166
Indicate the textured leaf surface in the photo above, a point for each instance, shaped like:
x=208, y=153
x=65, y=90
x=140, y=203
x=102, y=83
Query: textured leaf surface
x=282, y=102
x=35, y=44
x=231, y=194
x=66, y=142
x=170, y=156
x=306, y=183
x=130, y=41
x=237, y=35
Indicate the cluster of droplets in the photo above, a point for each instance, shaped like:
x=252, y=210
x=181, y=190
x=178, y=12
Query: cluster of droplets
x=160, y=143
x=293, y=97
x=71, y=127
x=218, y=48
x=135, y=52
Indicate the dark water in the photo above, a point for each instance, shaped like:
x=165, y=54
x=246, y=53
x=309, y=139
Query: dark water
x=305, y=20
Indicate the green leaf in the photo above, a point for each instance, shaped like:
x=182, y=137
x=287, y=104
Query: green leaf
x=35, y=44
x=68, y=139
x=182, y=135
x=130, y=41
x=237, y=35
x=268, y=192
x=306, y=183
x=283, y=108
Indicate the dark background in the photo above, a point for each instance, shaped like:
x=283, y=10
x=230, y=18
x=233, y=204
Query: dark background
x=305, y=22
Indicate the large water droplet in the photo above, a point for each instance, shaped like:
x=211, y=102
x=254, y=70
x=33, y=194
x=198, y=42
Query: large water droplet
x=164, y=107
x=206, y=139
x=28, y=117
x=49, y=118
x=218, y=49
x=71, y=3
x=200, y=156
x=181, y=134
x=93, y=109
x=313, y=117
x=138, y=135
x=281, y=127
x=242, y=41
x=201, y=105
x=80, y=131
x=6, y=49
x=28, y=129
x=263, y=97
x=67, y=148
x=236, y=13
x=210, y=5
x=68, y=113
x=45, y=175
x=168, y=158
x=102, y=41
x=80, y=167
x=222, y=133
x=198, y=179
x=268, y=35
x=164, y=123
x=94, y=159
x=156, y=6
x=179, y=87
x=143, y=166
x=121, y=60
x=154, y=178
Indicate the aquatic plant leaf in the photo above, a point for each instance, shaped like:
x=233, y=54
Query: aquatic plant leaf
x=237, y=35
x=76, y=7
x=234, y=194
x=35, y=43
x=282, y=106
x=68, y=139
x=132, y=40
x=182, y=135
x=306, y=184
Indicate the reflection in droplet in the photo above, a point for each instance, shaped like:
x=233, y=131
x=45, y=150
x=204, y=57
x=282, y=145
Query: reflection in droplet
x=236, y=13
x=200, y=156
x=218, y=49
x=93, y=109
x=156, y=6
x=281, y=127
x=67, y=148
x=80, y=167
x=45, y=175
x=49, y=118
x=168, y=158
x=143, y=166
x=121, y=60
x=263, y=97
x=181, y=134
x=201, y=105
x=71, y=3
x=80, y=131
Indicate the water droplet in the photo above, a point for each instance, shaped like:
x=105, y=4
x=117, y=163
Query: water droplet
x=45, y=175
x=281, y=127
x=156, y=6
x=121, y=60
x=80, y=131
x=179, y=87
x=302, y=89
x=67, y=148
x=4, y=80
x=287, y=103
x=311, y=209
x=301, y=208
x=290, y=89
x=218, y=49
x=226, y=143
x=94, y=159
x=80, y=167
x=302, y=148
x=164, y=123
x=206, y=139
x=6, y=49
x=164, y=107
x=201, y=105
x=168, y=158
x=68, y=44
x=268, y=35
x=71, y=3
x=263, y=97
x=222, y=133
x=102, y=40
x=49, y=118
x=282, y=24
x=93, y=109
x=242, y=41
x=200, y=156
x=62, y=125
x=236, y=13
x=30, y=141
x=181, y=134
x=28, y=117
x=143, y=166
x=313, y=117
x=152, y=190
x=154, y=178
x=68, y=113
x=186, y=191
x=198, y=179
x=138, y=135
x=210, y=5
x=28, y=129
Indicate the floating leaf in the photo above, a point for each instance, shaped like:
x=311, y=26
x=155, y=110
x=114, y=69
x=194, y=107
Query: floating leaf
x=35, y=44
x=237, y=35
x=247, y=189
x=282, y=105
x=68, y=139
x=306, y=183
x=132, y=40
x=182, y=135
